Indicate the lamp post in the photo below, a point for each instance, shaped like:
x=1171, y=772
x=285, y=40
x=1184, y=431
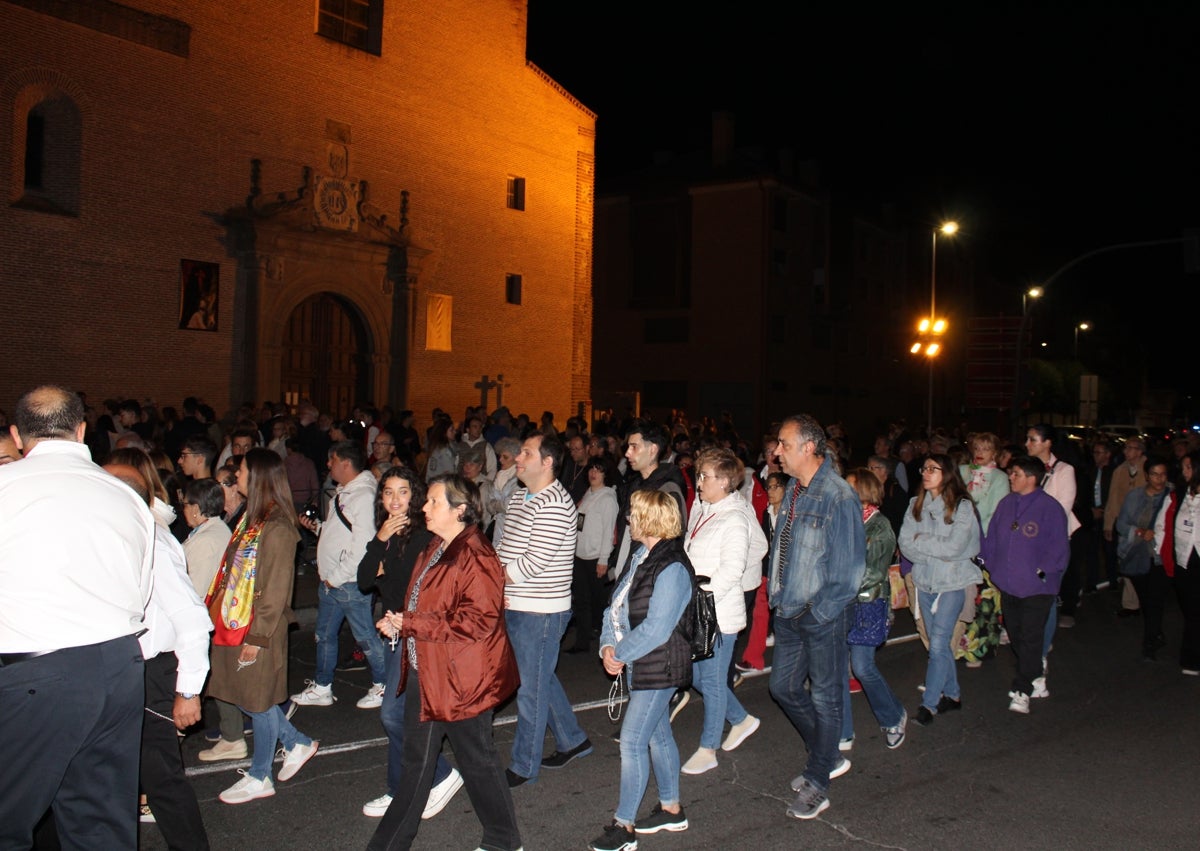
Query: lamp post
x=1082, y=326
x=931, y=328
x=1028, y=297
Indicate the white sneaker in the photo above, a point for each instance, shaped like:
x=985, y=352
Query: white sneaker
x=771, y=639
x=224, y=750
x=738, y=733
x=376, y=807
x=248, y=789
x=373, y=699
x=1039, y=688
x=441, y=794
x=1018, y=703
x=294, y=759
x=314, y=695
x=704, y=759
x=846, y=745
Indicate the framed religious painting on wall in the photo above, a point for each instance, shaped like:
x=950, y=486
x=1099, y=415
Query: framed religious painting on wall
x=199, y=295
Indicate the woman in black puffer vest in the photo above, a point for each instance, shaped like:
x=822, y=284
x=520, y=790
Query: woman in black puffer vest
x=641, y=639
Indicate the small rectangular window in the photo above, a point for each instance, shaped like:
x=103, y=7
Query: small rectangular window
x=516, y=193
x=512, y=289
x=35, y=150
x=357, y=23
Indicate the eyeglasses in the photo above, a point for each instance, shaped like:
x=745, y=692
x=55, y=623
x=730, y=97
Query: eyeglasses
x=931, y=469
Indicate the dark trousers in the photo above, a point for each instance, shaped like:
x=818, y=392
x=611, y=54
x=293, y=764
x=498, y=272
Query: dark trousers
x=479, y=763
x=1152, y=594
x=1068, y=592
x=1187, y=589
x=1025, y=620
x=70, y=724
x=168, y=792
x=587, y=601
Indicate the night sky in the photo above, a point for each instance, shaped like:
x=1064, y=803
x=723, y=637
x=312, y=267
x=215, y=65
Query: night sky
x=1047, y=130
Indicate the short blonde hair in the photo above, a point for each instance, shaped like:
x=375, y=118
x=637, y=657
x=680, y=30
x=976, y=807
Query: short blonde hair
x=987, y=439
x=725, y=465
x=657, y=514
x=867, y=486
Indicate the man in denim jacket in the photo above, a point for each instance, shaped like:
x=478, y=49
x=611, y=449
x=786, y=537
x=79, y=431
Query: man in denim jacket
x=818, y=557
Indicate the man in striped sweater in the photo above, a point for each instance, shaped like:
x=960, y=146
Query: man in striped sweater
x=537, y=550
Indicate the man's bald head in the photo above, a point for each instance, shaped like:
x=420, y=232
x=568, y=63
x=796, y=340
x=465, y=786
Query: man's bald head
x=48, y=413
x=130, y=476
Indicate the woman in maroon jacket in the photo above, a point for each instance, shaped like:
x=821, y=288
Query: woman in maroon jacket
x=457, y=667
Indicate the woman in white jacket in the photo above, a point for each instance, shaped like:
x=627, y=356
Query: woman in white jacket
x=723, y=540
x=593, y=552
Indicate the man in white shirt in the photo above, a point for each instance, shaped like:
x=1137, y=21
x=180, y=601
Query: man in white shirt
x=76, y=551
x=343, y=537
x=175, y=645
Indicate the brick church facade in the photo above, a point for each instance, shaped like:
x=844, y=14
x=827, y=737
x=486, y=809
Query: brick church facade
x=349, y=201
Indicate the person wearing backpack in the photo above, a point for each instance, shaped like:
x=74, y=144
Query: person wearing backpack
x=644, y=644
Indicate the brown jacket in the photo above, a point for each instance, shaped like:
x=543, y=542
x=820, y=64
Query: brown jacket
x=260, y=686
x=467, y=665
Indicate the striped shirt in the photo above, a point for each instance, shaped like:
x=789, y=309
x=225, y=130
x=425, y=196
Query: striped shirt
x=538, y=549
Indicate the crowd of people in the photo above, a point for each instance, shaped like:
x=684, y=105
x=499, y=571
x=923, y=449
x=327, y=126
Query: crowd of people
x=461, y=558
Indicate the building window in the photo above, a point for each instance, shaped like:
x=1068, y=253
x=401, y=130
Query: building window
x=666, y=329
x=357, y=23
x=516, y=193
x=46, y=165
x=512, y=289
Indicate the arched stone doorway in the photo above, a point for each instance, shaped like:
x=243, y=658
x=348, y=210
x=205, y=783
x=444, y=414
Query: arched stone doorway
x=324, y=355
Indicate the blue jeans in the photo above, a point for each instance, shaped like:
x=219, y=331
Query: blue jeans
x=710, y=678
x=815, y=652
x=345, y=602
x=941, y=678
x=270, y=727
x=647, y=742
x=540, y=699
x=391, y=714
x=883, y=701
x=1051, y=626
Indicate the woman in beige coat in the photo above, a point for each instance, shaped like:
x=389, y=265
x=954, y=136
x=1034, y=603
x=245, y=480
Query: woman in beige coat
x=249, y=655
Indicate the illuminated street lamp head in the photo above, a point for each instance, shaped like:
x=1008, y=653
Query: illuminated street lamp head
x=1083, y=326
x=939, y=326
x=932, y=349
x=915, y=349
x=1034, y=292
x=923, y=326
x=949, y=228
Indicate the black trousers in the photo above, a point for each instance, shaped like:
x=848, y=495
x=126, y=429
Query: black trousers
x=483, y=775
x=168, y=791
x=1152, y=594
x=1025, y=620
x=70, y=725
x=588, y=600
x=1187, y=589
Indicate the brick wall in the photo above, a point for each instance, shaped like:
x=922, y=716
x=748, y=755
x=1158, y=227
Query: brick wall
x=447, y=112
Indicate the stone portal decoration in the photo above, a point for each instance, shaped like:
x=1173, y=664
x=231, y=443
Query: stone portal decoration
x=335, y=203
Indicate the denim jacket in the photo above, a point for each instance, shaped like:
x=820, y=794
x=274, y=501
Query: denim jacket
x=671, y=595
x=827, y=557
x=941, y=553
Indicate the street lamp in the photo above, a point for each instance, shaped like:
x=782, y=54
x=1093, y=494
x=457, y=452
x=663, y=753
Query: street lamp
x=931, y=328
x=1082, y=326
x=1028, y=298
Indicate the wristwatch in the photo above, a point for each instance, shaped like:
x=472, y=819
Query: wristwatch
x=185, y=695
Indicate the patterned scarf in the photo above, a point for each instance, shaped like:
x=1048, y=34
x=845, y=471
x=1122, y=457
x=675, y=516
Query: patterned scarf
x=979, y=476
x=230, y=598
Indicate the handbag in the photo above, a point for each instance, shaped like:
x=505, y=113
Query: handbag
x=703, y=612
x=871, y=623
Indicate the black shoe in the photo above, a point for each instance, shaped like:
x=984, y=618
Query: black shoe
x=923, y=717
x=616, y=837
x=679, y=700
x=356, y=661
x=558, y=759
x=514, y=779
x=660, y=819
x=947, y=704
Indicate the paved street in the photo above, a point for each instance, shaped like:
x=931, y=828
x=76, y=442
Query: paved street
x=1109, y=761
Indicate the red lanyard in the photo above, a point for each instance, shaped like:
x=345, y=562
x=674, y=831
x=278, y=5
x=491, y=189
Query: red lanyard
x=700, y=526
